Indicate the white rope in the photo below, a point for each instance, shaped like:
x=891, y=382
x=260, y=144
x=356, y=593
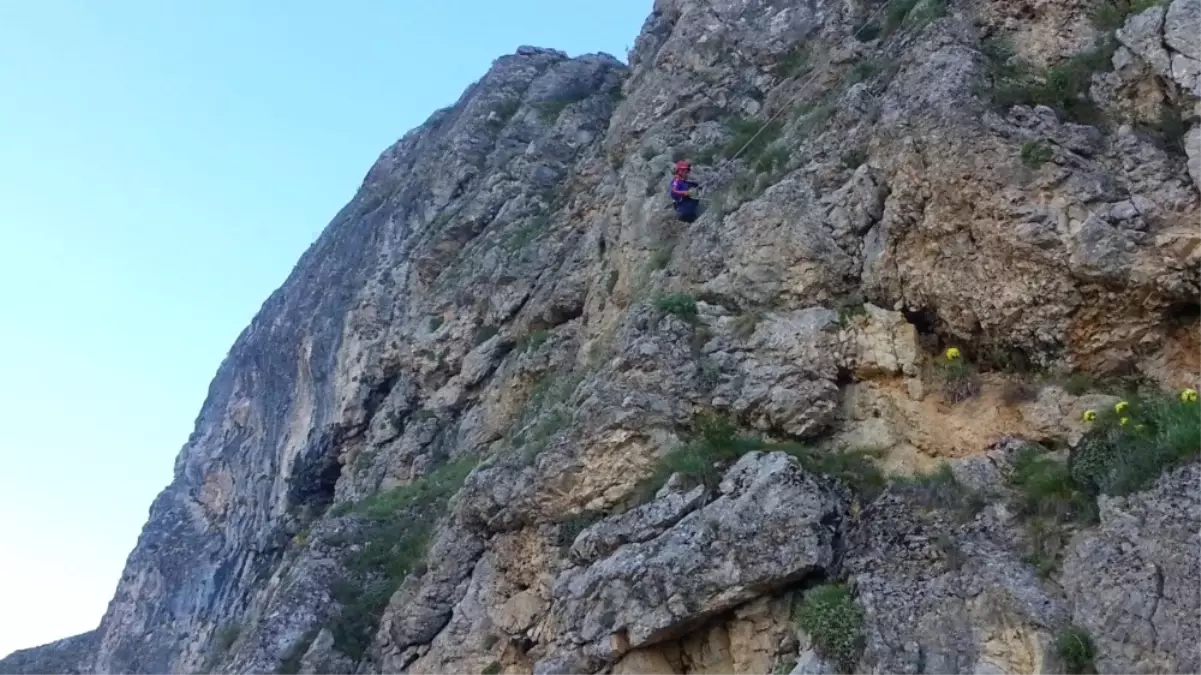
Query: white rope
x=813, y=76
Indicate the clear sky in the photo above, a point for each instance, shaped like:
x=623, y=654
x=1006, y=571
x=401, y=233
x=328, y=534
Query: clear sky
x=162, y=167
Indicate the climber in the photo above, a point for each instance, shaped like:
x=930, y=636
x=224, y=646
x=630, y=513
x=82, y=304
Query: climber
x=683, y=193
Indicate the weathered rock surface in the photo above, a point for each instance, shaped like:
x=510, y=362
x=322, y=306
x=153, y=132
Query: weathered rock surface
x=773, y=525
x=1133, y=582
x=942, y=596
x=508, y=288
x=69, y=656
x=1192, y=145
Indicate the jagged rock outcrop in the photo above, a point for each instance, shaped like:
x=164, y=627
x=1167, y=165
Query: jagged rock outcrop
x=69, y=656
x=773, y=525
x=1132, y=583
x=508, y=296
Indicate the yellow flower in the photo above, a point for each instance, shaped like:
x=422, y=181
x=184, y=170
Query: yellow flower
x=952, y=353
x=1124, y=421
x=1120, y=407
x=1090, y=415
x=1189, y=395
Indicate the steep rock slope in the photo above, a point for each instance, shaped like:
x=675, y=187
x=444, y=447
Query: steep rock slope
x=504, y=333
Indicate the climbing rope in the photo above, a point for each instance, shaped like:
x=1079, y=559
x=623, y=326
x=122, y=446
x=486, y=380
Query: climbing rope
x=788, y=105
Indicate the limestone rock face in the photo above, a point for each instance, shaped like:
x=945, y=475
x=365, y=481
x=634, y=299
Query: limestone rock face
x=772, y=525
x=1133, y=582
x=62, y=656
x=439, y=446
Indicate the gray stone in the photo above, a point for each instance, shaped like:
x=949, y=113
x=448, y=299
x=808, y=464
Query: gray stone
x=1182, y=28
x=1187, y=73
x=1192, y=146
x=772, y=525
x=1099, y=252
x=1134, y=583
x=809, y=663
x=71, y=656
x=946, y=595
x=1142, y=34
x=640, y=524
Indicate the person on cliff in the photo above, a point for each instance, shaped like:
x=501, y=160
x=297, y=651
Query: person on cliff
x=683, y=193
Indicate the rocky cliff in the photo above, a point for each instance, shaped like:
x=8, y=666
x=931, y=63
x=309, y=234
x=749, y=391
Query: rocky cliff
x=508, y=415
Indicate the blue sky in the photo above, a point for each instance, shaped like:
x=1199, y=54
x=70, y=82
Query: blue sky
x=162, y=167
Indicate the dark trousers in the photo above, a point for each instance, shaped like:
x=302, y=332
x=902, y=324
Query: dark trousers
x=686, y=210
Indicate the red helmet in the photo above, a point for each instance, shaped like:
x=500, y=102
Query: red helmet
x=683, y=166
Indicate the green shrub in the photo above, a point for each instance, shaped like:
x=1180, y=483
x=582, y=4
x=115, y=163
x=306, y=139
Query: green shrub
x=545, y=413
x=1171, y=129
x=1047, y=489
x=772, y=160
x=835, y=623
x=1076, y=650
x=435, y=322
x=1035, y=154
x=1050, y=502
x=679, y=304
x=956, y=378
x=1161, y=433
x=572, y=527
x=1063, y=87
x=862, y=71
x=702, y=460
x=526, y=233
x=854, y=467
x=848, y=310
x=699, y=461
x=813, y=116
x=397, y=525
x=751, y=136
x=492, y=668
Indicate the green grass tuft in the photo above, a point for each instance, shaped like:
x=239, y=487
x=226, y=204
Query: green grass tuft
x=830, y=616
x=1076, y=649
x=717, y=442
x=526, y=233
x=1161, y=433
x=679, y=304
x=397, y=527
x=1035, y=154
x=1063, y=87
x=743, y=133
